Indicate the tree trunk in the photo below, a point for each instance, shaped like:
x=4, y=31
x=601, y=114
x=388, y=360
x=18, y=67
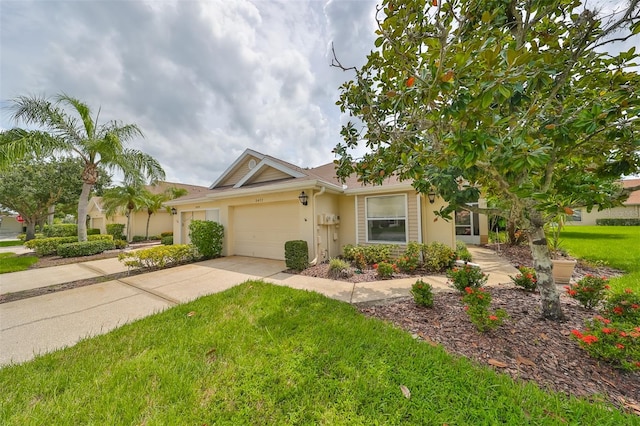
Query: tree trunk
x=52, y=211
x=146, y=237
x=31, y=228
x=83, y=209
x=549, y=296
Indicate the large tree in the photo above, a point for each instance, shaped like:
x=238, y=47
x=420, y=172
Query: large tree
x=31, y=187
x=518, y=99
x=69, y=127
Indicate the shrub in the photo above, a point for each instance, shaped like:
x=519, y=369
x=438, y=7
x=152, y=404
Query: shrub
x=168, y=240
x=85, y=248
x=158, y=257
x=49, y=246
x=422, y=294
x=120, y=244
x=166, y=234
x=117, y=230
x=477, y=303
x=339, y=268
x=296, y=254
x=93, y=231
x=437, y=256
x=385, y=270
x=623, y=306
x=138, y=238
x=462, y=252
x=614, y=342
x=207, y=237
x=372, y=253
x=410, y=259
x=526, y=279
x=618, y=222
x=466, y=276
x=589, y=291
x=61, y=230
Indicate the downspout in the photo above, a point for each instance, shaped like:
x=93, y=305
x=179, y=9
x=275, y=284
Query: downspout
x=316, y=244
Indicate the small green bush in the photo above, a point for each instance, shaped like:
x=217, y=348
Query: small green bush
x=85, y=248
x=167, y=240
x=589, y=291
x=465, y=277
x=477, y=303
x=93, y=231
x=385, y=270
x=623, y=306
x=618, y=222
x=410, y=259
x=207, y=237
x=120, y=244
x=422, y=294
x=158, y=257
x=138, y=238
x=437, y=257
x=296, y=254
x=166, y=234
x=462, y=252
x=49, y=246
x=526, y=279
x=339, y=268
x=371, y=253
x=117, y=230
x=61, y=230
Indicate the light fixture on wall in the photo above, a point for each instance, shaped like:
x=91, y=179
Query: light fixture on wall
x=304, y=198
x=432, y=196
x=174, y=211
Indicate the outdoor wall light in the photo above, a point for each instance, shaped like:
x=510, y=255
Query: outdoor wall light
x=174, y=211
x=432, y=196
x=304, y=198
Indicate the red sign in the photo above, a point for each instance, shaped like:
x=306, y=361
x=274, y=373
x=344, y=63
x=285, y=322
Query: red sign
x=19, y=219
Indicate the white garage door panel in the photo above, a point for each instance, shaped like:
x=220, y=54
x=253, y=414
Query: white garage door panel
x=262, y=230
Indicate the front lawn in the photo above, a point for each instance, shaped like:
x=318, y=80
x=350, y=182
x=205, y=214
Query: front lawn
x=263, y=354
x=10, y=243
x=615, y=246
x=9, y=262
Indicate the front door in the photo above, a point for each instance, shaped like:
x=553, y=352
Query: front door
x=468, y=226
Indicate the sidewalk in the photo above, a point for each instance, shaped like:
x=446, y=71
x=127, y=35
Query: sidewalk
x=52, y=321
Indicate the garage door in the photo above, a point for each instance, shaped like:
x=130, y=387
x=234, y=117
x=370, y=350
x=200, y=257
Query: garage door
x=261, y=230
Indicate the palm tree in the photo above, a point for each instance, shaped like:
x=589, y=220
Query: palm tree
x=125, y=199
x=154, y=202
x=78, y=133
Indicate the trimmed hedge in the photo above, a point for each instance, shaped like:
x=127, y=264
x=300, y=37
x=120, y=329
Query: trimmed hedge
x=117, y=230
x=61, y=230
x=49, y=246
x=166, y=234
x=138, y=238
x=93, y=231
x=158, y=257
x=168, y=240
x=207, y=237
x=618, y=222
x=85, y=248
x=296, y=254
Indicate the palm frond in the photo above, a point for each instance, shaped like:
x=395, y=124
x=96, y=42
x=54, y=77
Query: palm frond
x=134, y=163
x=16, y=144
x=83, y=111
x=41, y=112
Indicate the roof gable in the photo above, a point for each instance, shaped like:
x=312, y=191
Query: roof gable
x=253, y=167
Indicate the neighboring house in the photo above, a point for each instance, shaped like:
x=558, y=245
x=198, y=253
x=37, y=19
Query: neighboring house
x=9, y=225
x=262, y=202
x=629, y=210
x=160, y=221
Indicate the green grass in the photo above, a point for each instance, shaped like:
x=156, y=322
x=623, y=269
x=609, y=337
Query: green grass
x=260, y=354
x=10, y=243
x=9, y=262
x=614, y=246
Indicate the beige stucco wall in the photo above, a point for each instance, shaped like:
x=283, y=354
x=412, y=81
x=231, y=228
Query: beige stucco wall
x=589, y=218
x=436, y=228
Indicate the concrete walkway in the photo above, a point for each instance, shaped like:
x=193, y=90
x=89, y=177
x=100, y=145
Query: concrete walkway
x=45, y=323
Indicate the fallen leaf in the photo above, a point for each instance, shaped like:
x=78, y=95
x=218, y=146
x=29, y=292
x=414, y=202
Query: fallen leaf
x=525, y=361
x=405, y=391
x=497, y=363
x=544, y=336
x=192, y=313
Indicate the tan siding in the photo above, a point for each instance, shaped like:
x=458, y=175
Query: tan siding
x=240, y=171
x=412, y=216
x=268, y=174
x=362, y=222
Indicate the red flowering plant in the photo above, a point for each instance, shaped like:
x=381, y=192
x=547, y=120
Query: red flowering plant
x=624, y=306
x=526, y=279
x=410, y=259
x=477, y=302
x=589, y=291
x=385, y=270
x=422, y=294
x=614, y=342
x=466, y=276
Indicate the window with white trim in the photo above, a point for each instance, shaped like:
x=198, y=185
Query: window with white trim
x=386, y=217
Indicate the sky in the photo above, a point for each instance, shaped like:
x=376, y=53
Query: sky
x=204, y=80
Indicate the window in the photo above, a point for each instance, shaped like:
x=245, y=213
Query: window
x=576, y=216
x=386, y=218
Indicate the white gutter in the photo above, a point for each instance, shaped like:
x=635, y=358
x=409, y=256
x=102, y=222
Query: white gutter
x=315, y=219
